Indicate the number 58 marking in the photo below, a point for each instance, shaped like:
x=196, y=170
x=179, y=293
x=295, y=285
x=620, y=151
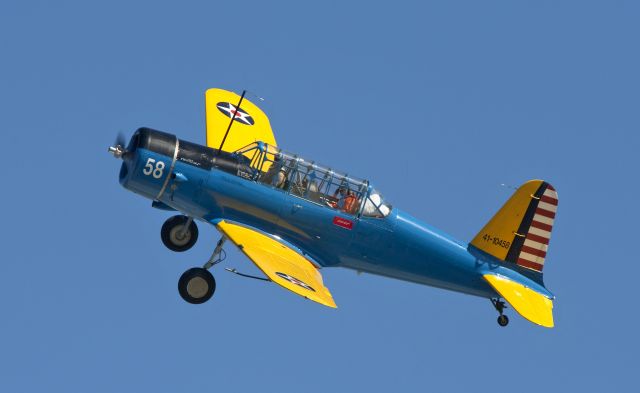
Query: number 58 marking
x=150, y=170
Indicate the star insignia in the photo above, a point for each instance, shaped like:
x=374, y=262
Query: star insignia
x=231, y=110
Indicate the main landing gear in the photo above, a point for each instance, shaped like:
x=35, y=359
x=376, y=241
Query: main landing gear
x=196, y=285
x=179, y=233
x=499, y=305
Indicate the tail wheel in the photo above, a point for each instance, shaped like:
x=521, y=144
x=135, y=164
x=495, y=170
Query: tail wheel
x=196, y=285
x=503, y=320
x=176, y=237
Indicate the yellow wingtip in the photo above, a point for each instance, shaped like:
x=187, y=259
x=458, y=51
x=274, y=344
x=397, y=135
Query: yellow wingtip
x=331, y=303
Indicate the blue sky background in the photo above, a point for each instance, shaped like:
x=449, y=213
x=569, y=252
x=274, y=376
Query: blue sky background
x=438, y=103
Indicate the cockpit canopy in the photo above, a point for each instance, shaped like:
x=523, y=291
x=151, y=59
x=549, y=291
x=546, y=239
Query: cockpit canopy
x=306, y=179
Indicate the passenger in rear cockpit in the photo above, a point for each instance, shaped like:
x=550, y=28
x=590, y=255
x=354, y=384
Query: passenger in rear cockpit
x=276, y=175
x=310, y=188
x=313, y=187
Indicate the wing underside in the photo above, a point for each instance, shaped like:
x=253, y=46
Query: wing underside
x=280, y=263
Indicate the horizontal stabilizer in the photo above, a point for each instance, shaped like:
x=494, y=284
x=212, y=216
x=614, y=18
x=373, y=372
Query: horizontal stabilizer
x=532, y=305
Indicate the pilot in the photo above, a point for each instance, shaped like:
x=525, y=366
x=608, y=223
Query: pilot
x=336, y=195
x=349, y=202
x=346, y=200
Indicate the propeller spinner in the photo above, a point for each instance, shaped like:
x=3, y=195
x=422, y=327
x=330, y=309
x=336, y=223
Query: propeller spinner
x=118, y=150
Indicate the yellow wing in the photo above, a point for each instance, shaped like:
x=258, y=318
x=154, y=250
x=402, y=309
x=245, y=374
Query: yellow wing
x=249, y=125
x=280, y=263
x=530, y=304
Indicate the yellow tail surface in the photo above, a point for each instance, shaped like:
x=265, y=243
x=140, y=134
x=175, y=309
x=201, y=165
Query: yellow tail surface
x=532, y=305
x=521, y=230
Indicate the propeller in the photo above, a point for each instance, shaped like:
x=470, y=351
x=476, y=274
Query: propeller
x=118, y=149
x=120, y=139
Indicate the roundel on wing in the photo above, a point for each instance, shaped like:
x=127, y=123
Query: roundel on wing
x=295, y=281
x=229, y=110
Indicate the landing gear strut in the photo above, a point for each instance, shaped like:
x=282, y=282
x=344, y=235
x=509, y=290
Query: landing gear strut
x=197, y=284
x=218, y=254
x=499, y=305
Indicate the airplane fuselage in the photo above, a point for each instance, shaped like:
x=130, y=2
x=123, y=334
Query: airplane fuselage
x=398, y=245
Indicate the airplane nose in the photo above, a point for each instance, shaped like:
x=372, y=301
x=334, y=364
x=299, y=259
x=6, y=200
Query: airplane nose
x=124, y=171
x=117, y=151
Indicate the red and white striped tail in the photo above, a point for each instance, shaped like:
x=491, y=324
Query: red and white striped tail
x=544, y=205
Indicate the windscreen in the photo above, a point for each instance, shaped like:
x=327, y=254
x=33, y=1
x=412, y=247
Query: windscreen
x=375, y=205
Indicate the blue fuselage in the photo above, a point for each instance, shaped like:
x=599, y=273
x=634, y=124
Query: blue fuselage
x=398, y=246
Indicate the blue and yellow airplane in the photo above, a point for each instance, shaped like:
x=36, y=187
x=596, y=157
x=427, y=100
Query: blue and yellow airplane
x=292, y=217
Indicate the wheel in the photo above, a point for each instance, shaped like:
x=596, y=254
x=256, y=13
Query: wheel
x=503, y=320
x=173, y=234
x=196, y=285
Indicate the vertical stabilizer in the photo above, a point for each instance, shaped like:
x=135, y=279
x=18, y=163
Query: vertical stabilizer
x=521, y=230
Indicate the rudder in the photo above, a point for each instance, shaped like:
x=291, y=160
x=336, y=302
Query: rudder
x=520, y=231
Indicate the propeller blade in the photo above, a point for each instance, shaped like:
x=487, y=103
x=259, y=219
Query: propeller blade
x=120, y=139
x=118, y=149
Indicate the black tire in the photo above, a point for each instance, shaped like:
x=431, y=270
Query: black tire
x=171, y=230
x=196, y=285
x=503, y=320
